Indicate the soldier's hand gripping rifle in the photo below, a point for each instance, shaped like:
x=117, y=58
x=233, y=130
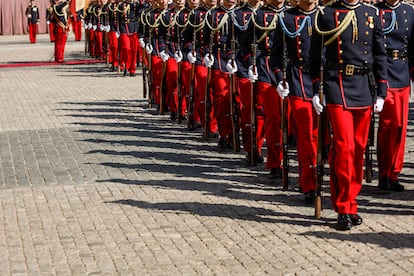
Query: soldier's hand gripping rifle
x=321, y=144
x=369, y=149
x=233, y=103
x=284, y=123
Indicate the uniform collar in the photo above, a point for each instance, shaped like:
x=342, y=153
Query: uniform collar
x=308, y=12
x=350, y=6
x=396, y=5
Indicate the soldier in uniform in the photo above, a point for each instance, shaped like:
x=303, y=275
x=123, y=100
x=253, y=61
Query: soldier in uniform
x=193, y=50
x=128, y=40
x=76, y=21
x=267, y=101
x=113, y=34
x=32, y=13
x=49, y=21
x=218, y=23
x=168, y=46
x=90, y=28
x=60, y=19
x=294, y=31
x=398, y=25
x=241, y=18
x=354, y=64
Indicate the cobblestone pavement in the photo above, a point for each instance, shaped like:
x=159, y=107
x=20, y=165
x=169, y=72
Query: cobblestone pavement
x=95, y=183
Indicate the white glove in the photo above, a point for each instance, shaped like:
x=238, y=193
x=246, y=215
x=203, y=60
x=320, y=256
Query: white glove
x=379, y=104
x=141, y=43
x=178, y=56
x=316, y=101
x=48, y=22
x=101, y=28
x=148, y=48
x=164, y=56
x=89, y=26
x=231, y=66
x=107, y=28
x=94, y=27
x=253, y=76
x=191, y=58
x=208, y=60
x=118, y=34
x=283, y=92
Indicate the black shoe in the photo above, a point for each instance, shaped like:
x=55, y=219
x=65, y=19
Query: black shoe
x=310, y=197
x=222, y=144
x=356, y=219
x=125, y=72
x=183, y=118
x=259, y=158
x=132, y=74
x=390, y=185
x=344, y=222
x=173, y=116
x=112, y=69
x=275, y=173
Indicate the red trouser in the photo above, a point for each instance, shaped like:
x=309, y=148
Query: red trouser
x=113, y=49
x=271, y=105
x=77, y=29
x=98, y=44
x=245, y=88
x=32, y=32
x=52, y=32
x=392, y=132
x=306, y=141
x=129, y=47
x=92, y=42
x=171, y=74
x=201, y=86
x=60, y=42
x=185, y=82
x=221, y=99
x=156, y=68
x=350, y=129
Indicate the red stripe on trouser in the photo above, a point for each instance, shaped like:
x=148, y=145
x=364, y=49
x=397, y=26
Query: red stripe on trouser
x=392, y=132
x=306, y=141
x=201, y=81
x=221, y=84
x=156, y=79
x=171, y=75
x=60, y=41
x=273, y=131
x=350, y=129
x=245, y=114
x=113, y=48
x=32, y=32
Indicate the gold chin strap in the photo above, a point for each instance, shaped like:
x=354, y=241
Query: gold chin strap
x=337, y=31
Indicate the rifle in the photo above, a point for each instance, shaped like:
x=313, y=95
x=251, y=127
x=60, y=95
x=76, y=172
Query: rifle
x=207, y=100
x=144, y=75
x=253, y=142
x=371, y=136
x=149, y=70
x=179, y=82
x=162, y=87
x=321, y=135
x=233, y=104
x=284, y=124
x=190, y=112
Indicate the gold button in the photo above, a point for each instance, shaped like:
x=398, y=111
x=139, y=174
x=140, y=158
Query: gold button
x=337, y=13
x=341, y=61
x=301, y=59
x=365, y=42
x=366, y=23
x=366, y=14
x=366, y=33
x=340, y=42
x=365, y=52
x=340, y=52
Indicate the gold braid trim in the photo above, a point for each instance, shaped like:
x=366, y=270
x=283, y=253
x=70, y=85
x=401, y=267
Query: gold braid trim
x=337, y=31
x=220, y=25
x=272, y=25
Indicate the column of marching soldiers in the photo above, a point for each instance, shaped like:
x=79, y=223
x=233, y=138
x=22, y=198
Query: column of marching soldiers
x=229, y=68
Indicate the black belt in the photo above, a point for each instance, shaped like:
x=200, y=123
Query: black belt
x=396, y=54
x=348, y=69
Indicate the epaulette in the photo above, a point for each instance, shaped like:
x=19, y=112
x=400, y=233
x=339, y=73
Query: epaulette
x=373, y=7
x=411, y=5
